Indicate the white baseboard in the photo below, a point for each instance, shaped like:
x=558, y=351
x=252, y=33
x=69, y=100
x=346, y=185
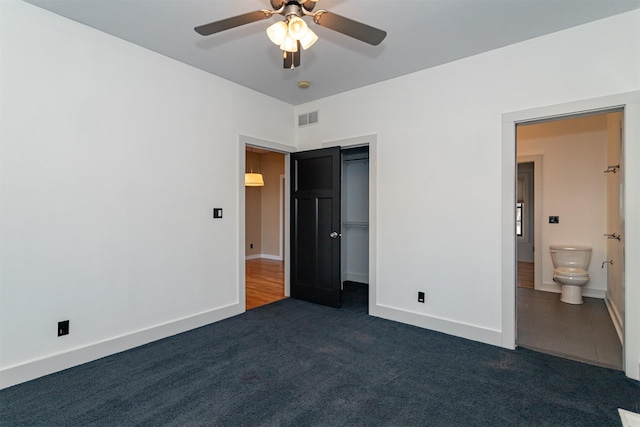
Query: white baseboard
x=16, y=374
x=549, y=287
x=265, y=256
x=355, y=277
x=458, y=329
x=593, y=293
x=615, y=318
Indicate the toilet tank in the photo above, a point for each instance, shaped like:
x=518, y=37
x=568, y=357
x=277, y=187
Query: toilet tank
x=570, y=256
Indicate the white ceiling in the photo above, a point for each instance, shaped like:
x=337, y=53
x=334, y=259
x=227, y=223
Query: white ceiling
x=421, y=34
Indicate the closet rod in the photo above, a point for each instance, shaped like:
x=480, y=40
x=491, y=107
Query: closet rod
x=366, y=159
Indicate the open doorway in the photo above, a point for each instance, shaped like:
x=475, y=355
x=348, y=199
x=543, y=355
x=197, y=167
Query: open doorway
x=579, y=203
x=525, y=224
x=264, y=227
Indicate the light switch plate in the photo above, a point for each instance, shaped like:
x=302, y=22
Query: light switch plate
x=217, y=212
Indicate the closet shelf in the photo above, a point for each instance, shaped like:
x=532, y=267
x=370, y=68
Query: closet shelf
x=358, y=224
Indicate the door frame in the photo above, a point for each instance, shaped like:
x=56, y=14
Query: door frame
x=372, y=142
x=283, y=207
x=286, y=150
x=630, y=103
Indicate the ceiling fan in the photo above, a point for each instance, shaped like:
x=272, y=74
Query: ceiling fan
x=293, y=34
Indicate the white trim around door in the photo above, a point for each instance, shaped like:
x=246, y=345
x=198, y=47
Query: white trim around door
x=630, y=102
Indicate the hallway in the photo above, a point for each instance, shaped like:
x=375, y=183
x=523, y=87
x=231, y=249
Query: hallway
x=264, y=282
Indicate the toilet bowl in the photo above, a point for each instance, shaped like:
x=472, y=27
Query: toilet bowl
x=570, y=270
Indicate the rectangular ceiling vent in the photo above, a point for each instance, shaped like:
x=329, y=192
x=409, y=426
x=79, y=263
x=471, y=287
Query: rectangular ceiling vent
x=308, y=119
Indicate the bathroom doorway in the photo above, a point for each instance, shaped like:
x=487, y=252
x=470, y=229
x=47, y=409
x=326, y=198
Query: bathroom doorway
x=564, y=196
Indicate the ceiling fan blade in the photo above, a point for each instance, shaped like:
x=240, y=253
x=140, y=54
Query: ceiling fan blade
x=349, y=27
x=235, y=21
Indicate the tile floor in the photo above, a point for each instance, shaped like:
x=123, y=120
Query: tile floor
x=579, y=332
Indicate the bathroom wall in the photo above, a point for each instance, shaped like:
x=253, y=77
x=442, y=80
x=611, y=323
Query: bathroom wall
x=573, y=188
x=615, y=223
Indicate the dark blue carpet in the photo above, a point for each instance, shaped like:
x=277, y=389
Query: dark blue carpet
x=293, y=363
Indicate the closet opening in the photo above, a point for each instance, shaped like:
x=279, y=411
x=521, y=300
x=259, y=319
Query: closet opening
x=355, y=225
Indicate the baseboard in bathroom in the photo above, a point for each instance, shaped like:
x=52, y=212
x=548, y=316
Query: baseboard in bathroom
x=615, y=318
x=549, y=287
x=593, y=293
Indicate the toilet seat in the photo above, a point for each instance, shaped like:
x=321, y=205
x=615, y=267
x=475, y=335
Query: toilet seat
x=570, y=272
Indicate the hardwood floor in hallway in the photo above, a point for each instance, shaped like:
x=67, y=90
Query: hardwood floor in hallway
x=525, y=275
x=264, y=282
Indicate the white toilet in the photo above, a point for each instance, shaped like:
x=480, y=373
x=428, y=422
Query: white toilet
x=570, y=270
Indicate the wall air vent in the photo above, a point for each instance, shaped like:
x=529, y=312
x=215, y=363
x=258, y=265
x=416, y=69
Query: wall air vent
x=308, y=119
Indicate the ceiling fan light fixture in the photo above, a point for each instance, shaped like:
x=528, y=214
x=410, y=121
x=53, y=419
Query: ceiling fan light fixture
x=289, y=44
x=297, y=27
x=308, y=39
x=293, y=34
x=277, y=32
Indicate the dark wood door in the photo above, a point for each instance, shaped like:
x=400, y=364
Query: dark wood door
x=315, y=226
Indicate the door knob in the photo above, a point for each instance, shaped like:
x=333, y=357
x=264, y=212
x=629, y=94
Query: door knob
x=334, y=235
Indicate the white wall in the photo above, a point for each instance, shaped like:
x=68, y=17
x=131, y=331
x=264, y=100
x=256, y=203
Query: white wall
x=439, y=187
x=574, y=157
x=112, y=160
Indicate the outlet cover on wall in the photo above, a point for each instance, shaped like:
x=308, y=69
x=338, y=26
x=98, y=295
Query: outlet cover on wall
x=63, y=328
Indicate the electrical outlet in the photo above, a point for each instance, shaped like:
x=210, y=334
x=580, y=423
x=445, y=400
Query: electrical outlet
x=421, y=297
x=63, y=328
x=554, y=219
x=251, y=246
